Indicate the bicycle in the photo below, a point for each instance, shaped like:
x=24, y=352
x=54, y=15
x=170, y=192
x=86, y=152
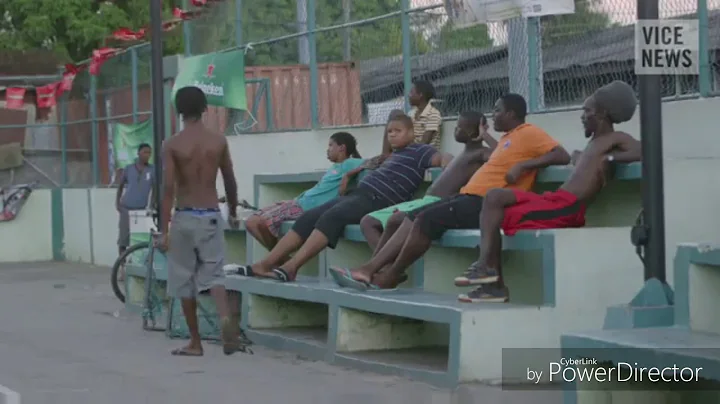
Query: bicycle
x=142, y=255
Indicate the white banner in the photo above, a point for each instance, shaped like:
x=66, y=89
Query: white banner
x=466, y=13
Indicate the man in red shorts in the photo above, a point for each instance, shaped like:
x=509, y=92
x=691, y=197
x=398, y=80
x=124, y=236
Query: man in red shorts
x=514, y=210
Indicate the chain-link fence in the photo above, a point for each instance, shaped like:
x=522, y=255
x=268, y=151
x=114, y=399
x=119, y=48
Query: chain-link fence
x=345, y=62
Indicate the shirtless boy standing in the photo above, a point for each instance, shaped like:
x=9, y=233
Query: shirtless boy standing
x=196, y=245
x=514, y=210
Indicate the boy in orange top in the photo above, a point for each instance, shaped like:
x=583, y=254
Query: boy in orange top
x=514, y=163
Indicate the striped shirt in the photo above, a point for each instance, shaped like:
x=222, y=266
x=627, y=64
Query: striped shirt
x=401, y=174
x=429, y=120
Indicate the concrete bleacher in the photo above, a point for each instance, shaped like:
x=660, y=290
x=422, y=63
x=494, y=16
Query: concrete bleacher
x=421, y=330
x=692, y=340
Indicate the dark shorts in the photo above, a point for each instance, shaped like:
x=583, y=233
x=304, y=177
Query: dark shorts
x=454, y=213
x=331, y=218
x=551, y=210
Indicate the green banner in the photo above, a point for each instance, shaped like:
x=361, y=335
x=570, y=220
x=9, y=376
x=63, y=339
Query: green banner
x=127, y=138
x=221, y=76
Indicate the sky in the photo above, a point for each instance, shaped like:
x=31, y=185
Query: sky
x=620, y=11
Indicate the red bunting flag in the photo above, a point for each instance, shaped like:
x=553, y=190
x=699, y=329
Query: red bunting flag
x=170, y=25
x=46, y=95
x=126, y=34
x=202, y=3
x=68, y=77
x=185, y=15
x=14, y=98
x=100, y=56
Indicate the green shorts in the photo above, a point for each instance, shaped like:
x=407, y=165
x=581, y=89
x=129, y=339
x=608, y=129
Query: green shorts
x=384, y=214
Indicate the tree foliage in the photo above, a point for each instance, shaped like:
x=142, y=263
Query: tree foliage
x=72, y=28
x=476, y=36
x=558, y=29
x=263, y=20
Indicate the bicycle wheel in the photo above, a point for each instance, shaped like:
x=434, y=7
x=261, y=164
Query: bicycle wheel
x=131, y=256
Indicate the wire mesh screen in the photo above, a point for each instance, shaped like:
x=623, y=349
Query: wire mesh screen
x=358, y=54
x=586, y=50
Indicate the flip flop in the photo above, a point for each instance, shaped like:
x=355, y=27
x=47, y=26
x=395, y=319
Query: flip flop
x=242, y=270
x=281, y=275
x=185, y=352
x=343, y=278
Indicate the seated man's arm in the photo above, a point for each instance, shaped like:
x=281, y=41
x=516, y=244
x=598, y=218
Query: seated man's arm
x=558, y=156
x=627, y=148
x=441, y=159
x=575, y=156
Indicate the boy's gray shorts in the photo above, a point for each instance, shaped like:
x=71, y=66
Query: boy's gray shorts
x=196, y=253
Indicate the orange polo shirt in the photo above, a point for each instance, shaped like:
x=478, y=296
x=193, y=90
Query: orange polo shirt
x=523, y=143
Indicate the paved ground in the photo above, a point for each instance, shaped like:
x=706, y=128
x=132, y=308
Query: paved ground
x=63, y=341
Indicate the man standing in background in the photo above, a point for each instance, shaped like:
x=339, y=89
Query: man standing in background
x=135, y=185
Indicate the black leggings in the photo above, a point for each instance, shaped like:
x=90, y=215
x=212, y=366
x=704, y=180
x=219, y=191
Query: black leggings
x=331, y=217
x=454, y=213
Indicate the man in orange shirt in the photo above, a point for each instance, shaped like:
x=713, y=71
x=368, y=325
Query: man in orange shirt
x=514, y=164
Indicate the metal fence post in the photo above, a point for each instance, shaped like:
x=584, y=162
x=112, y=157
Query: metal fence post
x=535, y=78
x=134, y=83
x=312, y=45
x=187, y=32
x=238, y=23
x=94, y=130
x=407, y=68
x=167, y=91
x=705, y=74
x=63, y=141
x=268, y=105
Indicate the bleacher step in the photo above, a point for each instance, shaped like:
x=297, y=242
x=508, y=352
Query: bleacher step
x=649, y=347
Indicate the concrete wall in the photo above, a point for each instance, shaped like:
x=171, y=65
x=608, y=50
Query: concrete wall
x=29, y=236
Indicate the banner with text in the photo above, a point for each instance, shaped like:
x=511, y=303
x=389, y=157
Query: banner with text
x=126, y=140
x=466, y=13
x=221, y=76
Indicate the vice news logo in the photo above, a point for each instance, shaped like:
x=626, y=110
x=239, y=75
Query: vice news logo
x=667, y=47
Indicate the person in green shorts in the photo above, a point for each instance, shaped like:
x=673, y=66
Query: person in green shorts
x=471, y=130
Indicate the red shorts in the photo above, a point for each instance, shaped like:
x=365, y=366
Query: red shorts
x=551, y=210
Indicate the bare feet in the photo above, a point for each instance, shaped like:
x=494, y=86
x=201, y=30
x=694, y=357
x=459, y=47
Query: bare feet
x=388, y=280
x=231, y=343
x=191, y=349
x=360, y=276
x=261, y=271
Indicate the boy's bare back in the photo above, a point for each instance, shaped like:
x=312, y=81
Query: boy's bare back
x=197, y=153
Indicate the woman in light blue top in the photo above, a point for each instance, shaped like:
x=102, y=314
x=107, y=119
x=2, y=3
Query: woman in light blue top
x=265, y=225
